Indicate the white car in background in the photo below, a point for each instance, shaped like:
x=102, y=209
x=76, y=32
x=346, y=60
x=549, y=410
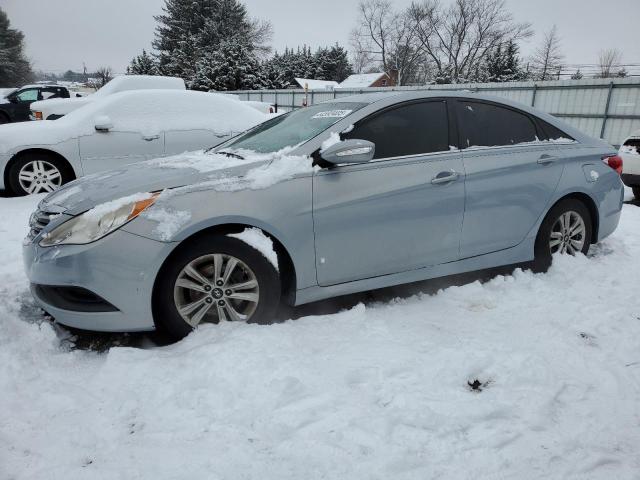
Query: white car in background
x=263, y=107
x=630, y=153
x=58, y=107
x=119, y=129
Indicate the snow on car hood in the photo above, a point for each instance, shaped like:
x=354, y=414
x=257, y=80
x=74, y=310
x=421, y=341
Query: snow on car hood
x=16, y=135
x=179, y=174
x=60, y=106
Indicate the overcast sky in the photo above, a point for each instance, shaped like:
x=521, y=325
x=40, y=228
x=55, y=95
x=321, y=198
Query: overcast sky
x=62, y=34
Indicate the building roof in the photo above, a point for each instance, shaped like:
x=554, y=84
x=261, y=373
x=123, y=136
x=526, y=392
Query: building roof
x=361, y=80
x=317, y=84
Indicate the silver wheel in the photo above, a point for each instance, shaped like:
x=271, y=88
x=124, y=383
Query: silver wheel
x=39, y=176
x=568, y=234
x=214, y=288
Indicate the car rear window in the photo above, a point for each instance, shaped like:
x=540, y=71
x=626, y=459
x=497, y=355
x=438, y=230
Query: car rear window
x=554, y=133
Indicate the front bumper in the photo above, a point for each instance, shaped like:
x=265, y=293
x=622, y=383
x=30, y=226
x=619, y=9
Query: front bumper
x=120, y=268
x=631, y=180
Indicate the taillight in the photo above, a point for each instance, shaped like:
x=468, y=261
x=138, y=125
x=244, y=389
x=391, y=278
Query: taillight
x=38, y=115
x=615, y=162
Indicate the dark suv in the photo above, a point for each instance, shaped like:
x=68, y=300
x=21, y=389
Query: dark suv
x=15, y=107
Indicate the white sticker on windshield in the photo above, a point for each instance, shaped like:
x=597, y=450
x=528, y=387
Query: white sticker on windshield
x=333, y=114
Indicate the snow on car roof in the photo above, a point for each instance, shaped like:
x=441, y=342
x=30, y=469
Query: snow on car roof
x=156, y=110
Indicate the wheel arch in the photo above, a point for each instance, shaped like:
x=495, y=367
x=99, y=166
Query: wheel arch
x=588, y=202
x=17, y=156
x=288, y=278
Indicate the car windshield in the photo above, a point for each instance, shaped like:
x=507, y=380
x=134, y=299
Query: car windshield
x=292, y=129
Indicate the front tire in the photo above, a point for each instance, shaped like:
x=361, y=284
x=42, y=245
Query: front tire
x=37, y=173
x=211, y=279
x=566, y=229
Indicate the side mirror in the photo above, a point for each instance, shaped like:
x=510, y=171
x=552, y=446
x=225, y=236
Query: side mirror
x=349, y=151
x=103, y=123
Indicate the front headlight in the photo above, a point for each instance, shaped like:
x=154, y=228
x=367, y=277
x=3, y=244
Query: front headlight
x=101, y=220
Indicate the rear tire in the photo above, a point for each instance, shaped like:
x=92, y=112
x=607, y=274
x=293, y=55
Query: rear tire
x=37, y=173
x=636, y=192
x=184, y=299
x=566, y=229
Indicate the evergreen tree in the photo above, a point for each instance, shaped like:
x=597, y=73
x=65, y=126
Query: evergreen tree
x=143, y=64
x=325, y=64
x=333, y=64
x=189, y=32
x=15, y=69
x=233, y=66
x=502, y=65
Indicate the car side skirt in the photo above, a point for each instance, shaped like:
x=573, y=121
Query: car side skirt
x=519, y=254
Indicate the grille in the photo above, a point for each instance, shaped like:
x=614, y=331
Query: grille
x=38, y=221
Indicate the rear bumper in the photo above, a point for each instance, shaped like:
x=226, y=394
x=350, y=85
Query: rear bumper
x=631, y=180
x=120, y=269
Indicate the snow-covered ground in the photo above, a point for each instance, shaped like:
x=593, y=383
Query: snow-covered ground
x=378, y=391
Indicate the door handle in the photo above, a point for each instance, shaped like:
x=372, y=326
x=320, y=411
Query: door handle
x=546, y=159
x=445, y=177
x=148, y=138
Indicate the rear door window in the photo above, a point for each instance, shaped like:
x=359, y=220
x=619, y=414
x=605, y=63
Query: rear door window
x=488, y=125
x=48, y=93
x=411, y=129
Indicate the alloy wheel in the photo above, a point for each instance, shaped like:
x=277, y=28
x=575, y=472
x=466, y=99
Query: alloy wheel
x=39, y=176
x=214, y=288
x=568, y=234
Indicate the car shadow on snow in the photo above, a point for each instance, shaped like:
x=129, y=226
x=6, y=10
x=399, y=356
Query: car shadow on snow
x=74, y=339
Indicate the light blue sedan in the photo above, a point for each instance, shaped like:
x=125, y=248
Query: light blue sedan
x=355, y=194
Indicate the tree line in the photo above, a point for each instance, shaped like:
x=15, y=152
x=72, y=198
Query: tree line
x=216, y=45
x=460, y=42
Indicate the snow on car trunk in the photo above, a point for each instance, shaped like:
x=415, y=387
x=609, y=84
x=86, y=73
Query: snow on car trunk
x=528, y=376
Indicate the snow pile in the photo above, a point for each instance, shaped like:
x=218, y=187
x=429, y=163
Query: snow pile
x=258, y=240
x=629, y=150
x=526, y=376
x=169, y=221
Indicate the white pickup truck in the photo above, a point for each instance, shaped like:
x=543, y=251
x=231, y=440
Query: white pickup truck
x=58, y=107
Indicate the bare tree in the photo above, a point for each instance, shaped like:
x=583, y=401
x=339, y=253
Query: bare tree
x=609, y=62
x=457, y=38
x=102, y=76
x=547, y=59
x=361, y=57
x=260, y=34
x=388, y=37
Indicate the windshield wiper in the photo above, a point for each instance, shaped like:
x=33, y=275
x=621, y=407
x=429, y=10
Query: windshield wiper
x=231, y=154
